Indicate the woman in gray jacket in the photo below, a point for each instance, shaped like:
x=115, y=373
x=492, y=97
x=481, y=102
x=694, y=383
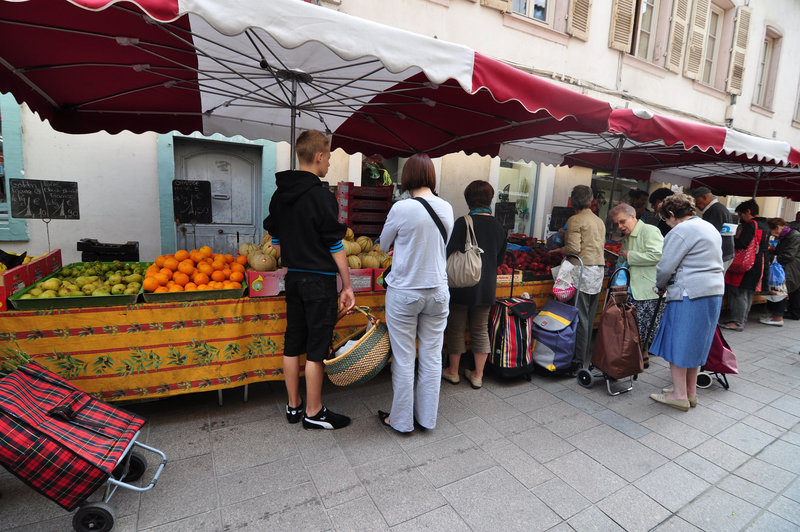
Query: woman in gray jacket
x=690, y=272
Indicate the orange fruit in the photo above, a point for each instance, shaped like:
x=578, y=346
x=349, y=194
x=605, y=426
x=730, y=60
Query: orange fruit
x=181, y=255
x=218, y=265
x=167, y=272
x=190, y=287
x=176, y=288
x=218, y=257
x=202, y=287
x=227, y=272
x=180, y=278
x=171, y=263
x=227, y=285
x=218, y=275
x=150, y=284
x=160, y=260
x=186, y=266
x=161, y=278
x=205, y=268
x=206, y=251
x=170, y=283
x=237, y=276
x=200, y=278
x=152, y=270
x=196, y=256
x=235, y=284
x=236, y=267
x=241, y=259
x=161, y=290
x=228, y=258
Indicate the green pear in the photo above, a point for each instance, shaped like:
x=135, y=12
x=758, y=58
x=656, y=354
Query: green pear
x=88, y=288
x=135, y=285
x=63, y=292
x=131, y=290
x=27, y=296
x=115, y=279
x=54, y=283
x=76, y=293
x=35, y=292
x=101, y=292
x=134, y=278
x=118, y=288
x=47, y=294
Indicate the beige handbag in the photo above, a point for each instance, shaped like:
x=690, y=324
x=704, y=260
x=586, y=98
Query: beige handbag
x=464, y=267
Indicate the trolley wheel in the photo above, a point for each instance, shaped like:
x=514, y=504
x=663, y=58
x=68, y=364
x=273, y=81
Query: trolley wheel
x=136, y=468
x=585, y=378
x=94, y=517
x=704, y=380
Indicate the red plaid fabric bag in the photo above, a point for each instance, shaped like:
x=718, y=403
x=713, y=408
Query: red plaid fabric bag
x=58, y=439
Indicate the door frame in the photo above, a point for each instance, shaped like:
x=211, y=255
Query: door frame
x=166, y=173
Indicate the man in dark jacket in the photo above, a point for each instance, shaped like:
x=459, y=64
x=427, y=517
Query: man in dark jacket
x=717, y=215
x=303, y=223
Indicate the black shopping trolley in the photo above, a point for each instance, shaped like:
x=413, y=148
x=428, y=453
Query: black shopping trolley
x=66, y=444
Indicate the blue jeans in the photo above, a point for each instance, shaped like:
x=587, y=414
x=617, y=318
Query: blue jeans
x=416, y=320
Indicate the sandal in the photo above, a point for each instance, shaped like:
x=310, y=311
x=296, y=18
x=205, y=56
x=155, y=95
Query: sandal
x=732, y=326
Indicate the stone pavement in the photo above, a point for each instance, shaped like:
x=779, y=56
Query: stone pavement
x=515, y=455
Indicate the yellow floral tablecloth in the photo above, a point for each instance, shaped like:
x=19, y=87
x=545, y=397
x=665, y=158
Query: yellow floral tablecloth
x=162, y=349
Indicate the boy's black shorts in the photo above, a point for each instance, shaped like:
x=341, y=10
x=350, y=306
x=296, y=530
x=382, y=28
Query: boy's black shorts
x=312, y=303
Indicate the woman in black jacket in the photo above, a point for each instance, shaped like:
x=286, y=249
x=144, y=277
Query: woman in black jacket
x=741, y=286
x=471, y=305
x=787, y=253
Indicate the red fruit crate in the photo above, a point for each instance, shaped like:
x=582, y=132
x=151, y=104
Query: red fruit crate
x=13, y=281
x=361, y=279
x=376, y=273
x=265, y=284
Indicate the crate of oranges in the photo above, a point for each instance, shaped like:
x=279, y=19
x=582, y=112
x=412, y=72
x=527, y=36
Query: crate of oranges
x=194, y=275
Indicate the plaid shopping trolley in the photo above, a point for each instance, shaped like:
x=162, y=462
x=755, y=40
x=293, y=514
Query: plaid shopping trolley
x=66, y=444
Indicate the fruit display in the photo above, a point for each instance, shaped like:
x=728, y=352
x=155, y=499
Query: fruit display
x=536, y=260
x=260, y=258
x=198, y=269
x=90, y=279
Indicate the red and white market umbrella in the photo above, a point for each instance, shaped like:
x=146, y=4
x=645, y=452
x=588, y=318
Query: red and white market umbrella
x=267, y=69
x=646, y=146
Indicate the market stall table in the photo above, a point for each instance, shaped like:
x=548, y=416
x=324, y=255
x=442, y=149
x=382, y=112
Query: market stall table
x=162, y=349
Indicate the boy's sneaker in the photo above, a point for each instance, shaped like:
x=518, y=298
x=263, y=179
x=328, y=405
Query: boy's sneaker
x=294, y=414
x=325, y=419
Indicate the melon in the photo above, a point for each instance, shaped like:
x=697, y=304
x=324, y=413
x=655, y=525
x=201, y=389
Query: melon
x=261, y=262
x=353, y=262
x=365, y=242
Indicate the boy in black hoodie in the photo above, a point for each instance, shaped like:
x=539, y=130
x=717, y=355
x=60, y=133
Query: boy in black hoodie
x=303, y=223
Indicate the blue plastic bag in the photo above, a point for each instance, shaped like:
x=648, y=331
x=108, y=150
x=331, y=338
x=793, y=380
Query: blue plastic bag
x=620, y=275
x=777, y=275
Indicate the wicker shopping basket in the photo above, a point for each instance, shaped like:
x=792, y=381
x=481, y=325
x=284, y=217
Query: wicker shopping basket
x=365, y=359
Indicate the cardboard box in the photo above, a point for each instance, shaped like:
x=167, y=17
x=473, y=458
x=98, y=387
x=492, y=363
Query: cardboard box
x=503, y=280
x=361, y=280
x=265, y=284
x=13, y=281
x=377, y=272
x=43, y=266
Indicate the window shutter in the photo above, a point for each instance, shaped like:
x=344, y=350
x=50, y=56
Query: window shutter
x=741, y=34
x=621, y=35
x=578, y=21
x=698, y=28
x=677, y=37
x=500, y=5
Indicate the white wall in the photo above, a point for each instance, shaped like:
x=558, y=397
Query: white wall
x=117, y=179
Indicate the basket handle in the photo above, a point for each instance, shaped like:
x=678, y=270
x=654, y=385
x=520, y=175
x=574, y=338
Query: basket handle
x=362, y=310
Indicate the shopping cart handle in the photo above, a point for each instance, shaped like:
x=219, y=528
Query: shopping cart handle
x=150, y=486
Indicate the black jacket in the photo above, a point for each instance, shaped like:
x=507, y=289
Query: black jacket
x=303, y=215
x=788, y=255
x=492, y=240
x=717, y=215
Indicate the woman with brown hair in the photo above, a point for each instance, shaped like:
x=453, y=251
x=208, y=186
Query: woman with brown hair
x=691, y=273
x=470, y=306
x=417, y=297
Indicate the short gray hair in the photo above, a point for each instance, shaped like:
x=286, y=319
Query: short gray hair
x=622, y=208
x=581, y=197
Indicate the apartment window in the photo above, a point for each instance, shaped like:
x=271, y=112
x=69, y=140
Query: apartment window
x=645, y=25
x=712, y=45
x=767, y=68
x=536, y=9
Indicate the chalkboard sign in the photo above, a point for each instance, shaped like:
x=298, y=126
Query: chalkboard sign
x=506, y=214
x=191, y=201
x=34, y=198
x=559, y=217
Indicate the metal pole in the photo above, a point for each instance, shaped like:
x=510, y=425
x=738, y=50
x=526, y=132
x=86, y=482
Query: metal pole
x=292, y=109
x=758, y=178
x=614, y=174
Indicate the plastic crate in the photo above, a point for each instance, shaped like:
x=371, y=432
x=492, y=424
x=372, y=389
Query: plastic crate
x=361, y=279
x=11, y=282
x=93, y=250
x=265, y=284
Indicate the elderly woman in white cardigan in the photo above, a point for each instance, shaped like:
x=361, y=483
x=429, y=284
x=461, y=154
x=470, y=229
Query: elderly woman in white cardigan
x=691, y=274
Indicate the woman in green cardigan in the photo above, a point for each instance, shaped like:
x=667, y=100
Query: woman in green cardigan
x=641, y=249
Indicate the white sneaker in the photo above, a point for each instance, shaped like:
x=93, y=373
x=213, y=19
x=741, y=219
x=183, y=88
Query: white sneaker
x=770, y=321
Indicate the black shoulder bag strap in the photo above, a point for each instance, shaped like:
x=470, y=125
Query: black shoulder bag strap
x=435, y=218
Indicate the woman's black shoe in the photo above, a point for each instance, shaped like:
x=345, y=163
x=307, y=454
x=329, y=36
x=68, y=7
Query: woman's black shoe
x=383, y=416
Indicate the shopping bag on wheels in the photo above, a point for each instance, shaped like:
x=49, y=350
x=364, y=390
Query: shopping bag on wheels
x=617, y=351
x=511, y=338
x=555, y=328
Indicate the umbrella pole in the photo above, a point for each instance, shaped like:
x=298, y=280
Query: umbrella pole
x=758, y=178
x=293, y=123
x=614, y=175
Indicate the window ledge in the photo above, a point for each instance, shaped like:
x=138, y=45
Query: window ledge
x=534, y=27
x=711, y=91
x=646, y=66
x=796, y=123
x=445, y=3
x=763, y=111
